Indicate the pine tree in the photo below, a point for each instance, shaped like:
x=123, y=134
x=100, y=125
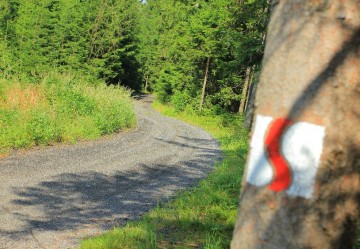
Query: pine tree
x=194, y=52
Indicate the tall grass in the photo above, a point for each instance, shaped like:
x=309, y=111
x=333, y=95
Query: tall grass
x=60, y=108
x=203, y=217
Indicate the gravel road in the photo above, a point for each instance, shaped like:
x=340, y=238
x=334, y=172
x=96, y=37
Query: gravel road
x=52, y=197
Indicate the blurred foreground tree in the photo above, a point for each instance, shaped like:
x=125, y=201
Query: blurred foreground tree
x=301, y=187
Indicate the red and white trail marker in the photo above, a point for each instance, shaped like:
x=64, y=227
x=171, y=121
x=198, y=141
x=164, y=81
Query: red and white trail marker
x=285, y=156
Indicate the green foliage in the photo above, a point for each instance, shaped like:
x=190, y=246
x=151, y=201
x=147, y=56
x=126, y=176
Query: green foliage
x=202, y=217
x=166, y=43
x=93, y=37
x=114, y=112
x=90, y=39
x=41, y=128
x=182, y=100
x=60, y=108
x=129, y=237
x=177, y=38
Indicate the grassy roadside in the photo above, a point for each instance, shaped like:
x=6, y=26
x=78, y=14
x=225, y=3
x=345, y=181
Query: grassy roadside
x=60, y=108
x=202, y=217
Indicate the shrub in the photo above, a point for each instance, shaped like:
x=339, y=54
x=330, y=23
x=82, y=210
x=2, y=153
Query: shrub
x=61, y=107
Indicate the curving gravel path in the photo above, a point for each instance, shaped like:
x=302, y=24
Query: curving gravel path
x=52, y=197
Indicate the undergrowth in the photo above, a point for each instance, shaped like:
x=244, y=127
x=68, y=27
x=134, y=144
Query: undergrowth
x=60, y=108
x=203, y=217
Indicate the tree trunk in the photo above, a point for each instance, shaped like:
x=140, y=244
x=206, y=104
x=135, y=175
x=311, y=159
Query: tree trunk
x=204, y=84
x=245, y=90
x=301, y=185
x=146, y=82
x=5, y=43
x=250, y=107
x=251, y=81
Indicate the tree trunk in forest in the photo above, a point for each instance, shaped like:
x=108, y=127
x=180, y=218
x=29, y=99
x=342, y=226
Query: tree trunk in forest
x=5, y=43
x=146, y=82
x=245, y=90
x=249, y=88
x=250, y=107
x=204, y=84
x=301, y=185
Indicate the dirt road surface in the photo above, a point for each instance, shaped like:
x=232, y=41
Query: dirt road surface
x=53, y=197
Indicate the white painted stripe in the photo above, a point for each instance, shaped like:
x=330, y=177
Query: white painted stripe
x=259, y=172
x=301, y=146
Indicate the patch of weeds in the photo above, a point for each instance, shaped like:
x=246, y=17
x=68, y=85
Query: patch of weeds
x=41, y=128
x=60, y=108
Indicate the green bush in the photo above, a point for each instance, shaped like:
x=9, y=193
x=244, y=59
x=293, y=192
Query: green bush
x=41, y=128
x=60, y=108
x=181, y=100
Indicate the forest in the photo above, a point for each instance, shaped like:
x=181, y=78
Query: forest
x=194, y=54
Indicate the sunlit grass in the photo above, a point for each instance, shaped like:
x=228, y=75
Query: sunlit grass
x=60, y=108
x=203, y=217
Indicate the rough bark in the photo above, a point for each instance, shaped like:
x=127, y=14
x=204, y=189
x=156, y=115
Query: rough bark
x=310, y=76
x=245, y=90
x=204, y=84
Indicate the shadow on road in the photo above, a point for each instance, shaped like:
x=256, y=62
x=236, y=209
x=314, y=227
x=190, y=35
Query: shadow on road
x=73, y=200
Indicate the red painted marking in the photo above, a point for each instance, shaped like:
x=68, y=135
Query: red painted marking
x=282, y=179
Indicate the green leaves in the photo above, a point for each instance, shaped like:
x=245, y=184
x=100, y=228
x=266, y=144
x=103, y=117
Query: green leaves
x=177, y=37
x=97, y=37
x=164, y=44
x=60, y=108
